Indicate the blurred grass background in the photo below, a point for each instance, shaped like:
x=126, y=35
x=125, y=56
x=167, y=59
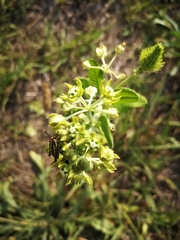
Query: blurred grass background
x=42, y=45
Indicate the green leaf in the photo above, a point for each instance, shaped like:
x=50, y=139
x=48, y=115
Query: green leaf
x=139, y=103
x=85, y=82
x=13, y=76
x=95, y=75
x=103, y=225
x=106, y=130
x=127, y=95
x=151, y=58
x=30, y=131
x=37, y=159
x=123, y=108
x=36, y=107
x=6, y=194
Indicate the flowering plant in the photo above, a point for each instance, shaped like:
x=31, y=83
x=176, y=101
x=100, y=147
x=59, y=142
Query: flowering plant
x=83, y=138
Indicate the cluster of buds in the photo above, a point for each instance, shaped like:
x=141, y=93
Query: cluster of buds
x=101, y=53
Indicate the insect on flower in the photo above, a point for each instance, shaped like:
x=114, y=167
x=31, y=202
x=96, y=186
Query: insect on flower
x=54, y=148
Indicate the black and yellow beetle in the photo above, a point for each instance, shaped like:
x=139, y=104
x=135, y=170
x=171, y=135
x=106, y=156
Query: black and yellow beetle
x=54, y=146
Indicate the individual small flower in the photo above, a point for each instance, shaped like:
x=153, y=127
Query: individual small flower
x=88, y=179
x=59, y=100
x=93, y=143
x=79, y=178
x=56, y=120
x=121, y=76
x=62, y=132
x=94, y=140
x=119, y=49
x=107, y=154
x=106, y=89
x=74, y=126
x=101, y=51
x=65, y=103
x=67, y=106
x=112, y=112
x=112, y=127
x=86, y=64
x=91, y=91
x=83, y=117
x=108, y=94
x=109, y=91
x=74, y=91
x=109, y=166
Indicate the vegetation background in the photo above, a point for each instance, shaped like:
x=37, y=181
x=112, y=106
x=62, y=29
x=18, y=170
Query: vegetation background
x=42, y=45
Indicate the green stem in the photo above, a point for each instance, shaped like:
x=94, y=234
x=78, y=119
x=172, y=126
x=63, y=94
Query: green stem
x=76, y=113
x=112, y=60
x=131, y=224
x=132, y=77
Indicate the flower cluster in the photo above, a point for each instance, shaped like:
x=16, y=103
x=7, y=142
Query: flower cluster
x=83, y=144
x=83, y=138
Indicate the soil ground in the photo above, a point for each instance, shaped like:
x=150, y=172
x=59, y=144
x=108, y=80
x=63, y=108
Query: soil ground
x=22, y=124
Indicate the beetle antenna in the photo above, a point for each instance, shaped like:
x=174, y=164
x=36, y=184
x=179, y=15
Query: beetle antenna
x=47, y=133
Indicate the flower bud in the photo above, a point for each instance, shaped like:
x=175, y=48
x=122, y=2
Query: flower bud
x=55, y=119
x=113, y=113
x=101, y=51
x=85, y=165
x=71, y=155
x=86, y=64
x=59, y=100
x=121, y=76
x=119, y=49
x=91, y=91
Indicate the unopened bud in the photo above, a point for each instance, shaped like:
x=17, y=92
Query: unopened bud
x=119, y=49
x=121, y=76
x=86, y=64
x=101, y=51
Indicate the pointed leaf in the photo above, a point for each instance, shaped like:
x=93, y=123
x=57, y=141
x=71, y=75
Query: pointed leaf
x=95, y=75
x=103, y=225
x=127, y=95
x=6, y=193
x=151, y=58
x=139, y=103
x=106, y=130
x=85, y=82
x=110, y=166
x=37, y=159
x=124, y=107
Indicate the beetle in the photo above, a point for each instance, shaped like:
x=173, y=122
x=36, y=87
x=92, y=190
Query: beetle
x=54, y=146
